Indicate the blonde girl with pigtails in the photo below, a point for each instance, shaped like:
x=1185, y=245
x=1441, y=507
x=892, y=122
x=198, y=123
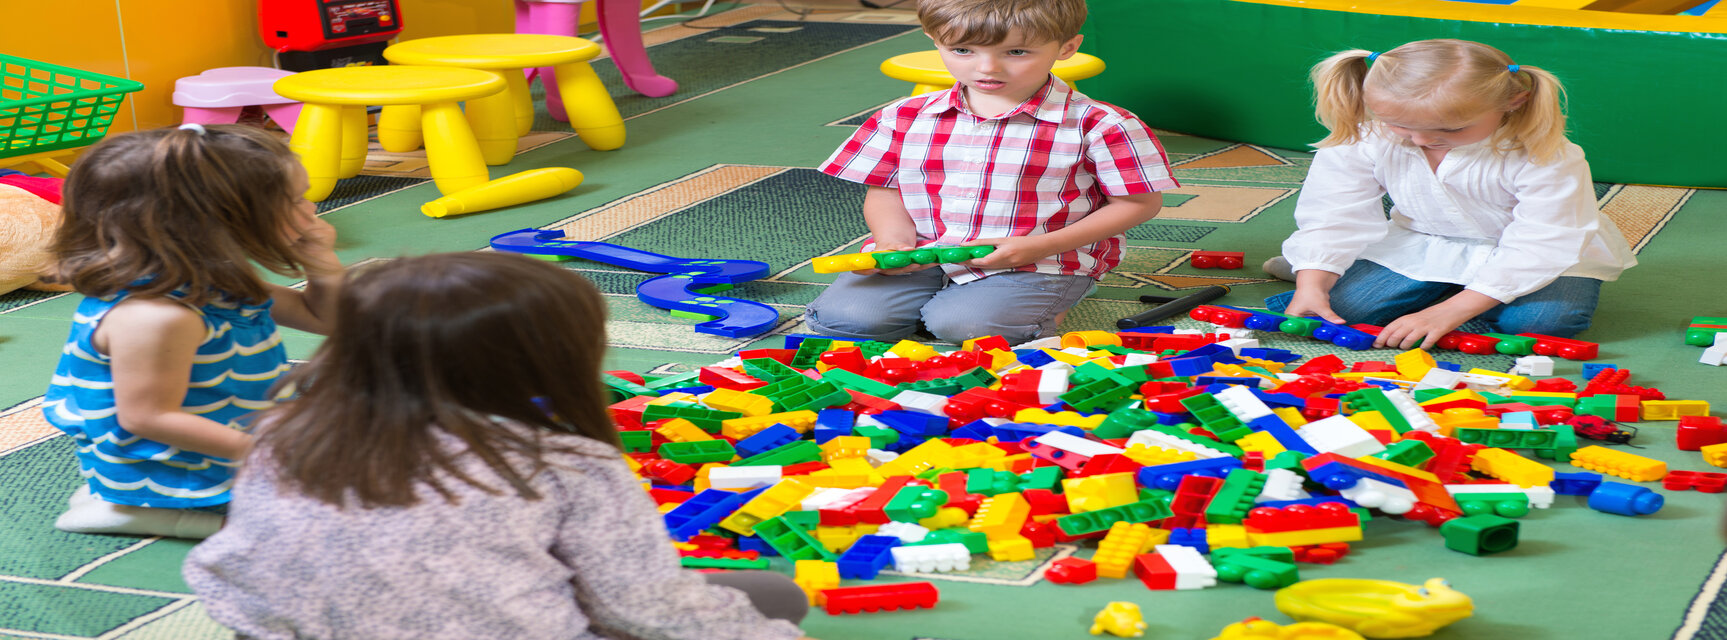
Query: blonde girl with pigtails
x=1493, y=224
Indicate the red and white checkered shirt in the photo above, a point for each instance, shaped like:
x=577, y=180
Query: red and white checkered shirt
x=1035, y=169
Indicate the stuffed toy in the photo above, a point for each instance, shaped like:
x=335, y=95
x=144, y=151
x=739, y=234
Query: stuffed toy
x=29, y=216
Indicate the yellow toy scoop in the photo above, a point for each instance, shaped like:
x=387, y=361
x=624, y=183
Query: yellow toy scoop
x=1376, y=608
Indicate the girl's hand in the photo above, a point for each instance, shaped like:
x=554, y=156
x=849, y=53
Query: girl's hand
x=314, y=243
x=1010, y=252
x=1309, y=301
x=1424, y=328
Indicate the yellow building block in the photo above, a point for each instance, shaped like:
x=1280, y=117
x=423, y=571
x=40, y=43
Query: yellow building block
x=1376, y=375
x=1124, y=542
x=1512, y=468
x=681, y=430
x=1674, y=409
x=1007, y=463
x=740, y=428
x=1543, y=394
x=635, y=466
x=1062, y=418
x=838, y=539
x=1011, y=549
x=912, y=350
x=1371, y=420
x=1414, y=364
x=1148, y=455
x=1399, y=468
x=1513, y=381
x=1100, y=491
x=1291, y=416
x=1065, y=357
x=844, y=473
x=742, y=402
x=813, y=576
x=1261, y=441
x=844, y=447
x=1268, y=365
x=1715, y=454
x=944, y=518
x=1614, y=462
x=1455, y=418
x=778, y=499
x=1460, y=394
x=1233, y=536
x=1303, y=537
x=974, y=455
x=1001, y=515
x=1073, y=339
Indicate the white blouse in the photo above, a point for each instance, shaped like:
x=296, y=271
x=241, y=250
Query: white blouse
x=1493, y=222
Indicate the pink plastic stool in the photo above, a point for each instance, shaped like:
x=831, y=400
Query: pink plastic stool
x=217, y=96
x=620, y=28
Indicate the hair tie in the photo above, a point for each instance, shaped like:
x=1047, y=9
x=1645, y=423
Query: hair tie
x=1372, y=56
x=193, y=126
x=1513, y=68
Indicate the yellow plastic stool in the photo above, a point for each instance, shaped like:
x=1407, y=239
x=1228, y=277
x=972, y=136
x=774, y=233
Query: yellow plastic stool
x=501, y=119
x=330, y=136
x=924, y=69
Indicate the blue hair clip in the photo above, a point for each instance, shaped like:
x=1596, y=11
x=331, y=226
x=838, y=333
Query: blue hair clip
x=1372, y=56
x=1513, y=68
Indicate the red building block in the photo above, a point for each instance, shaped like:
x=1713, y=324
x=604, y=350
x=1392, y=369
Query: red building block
x=1696, y=432
x=1220, y=316
x=1566, y=348
x=723, y=378
x=1703, y=481
x=1217, y=259
x=1468, y=343
x=1327, y=553
x=1071, y=571
x=881, y=597
x=1299, y=517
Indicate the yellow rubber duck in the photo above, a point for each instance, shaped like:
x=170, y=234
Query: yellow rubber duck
x=1376, y=608
x=1258, y=629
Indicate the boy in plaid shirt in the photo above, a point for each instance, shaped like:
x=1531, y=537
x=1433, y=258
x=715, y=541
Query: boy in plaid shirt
x=1009, y=157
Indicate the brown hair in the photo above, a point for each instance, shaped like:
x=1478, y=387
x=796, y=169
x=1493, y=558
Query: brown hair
x=1450, y=79
x=190, y=208
x=988, y=22
x=444, y=343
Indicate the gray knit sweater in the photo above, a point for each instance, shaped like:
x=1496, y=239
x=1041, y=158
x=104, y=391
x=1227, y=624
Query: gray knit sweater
x=590, y=560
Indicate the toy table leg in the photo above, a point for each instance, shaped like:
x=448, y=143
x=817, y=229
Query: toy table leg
x=285, y=114
x=590, y=108
x=317, y=140
x=211, y=115
x=451, y=151
x=493, y=119
x=523, y=101
x=926, y=88
x=399, y=128
x=353, y=141
x=621, y=28
x=555, y=19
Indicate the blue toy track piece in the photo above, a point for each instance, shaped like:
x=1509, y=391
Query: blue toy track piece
x=679, y=290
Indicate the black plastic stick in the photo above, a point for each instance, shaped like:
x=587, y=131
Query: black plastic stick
x=1171, y=307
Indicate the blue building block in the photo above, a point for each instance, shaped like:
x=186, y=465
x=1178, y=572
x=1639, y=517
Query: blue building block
x=1020, y=431
x=767, y=439
x=1190, y=538
x=833, y=423
x=975, y=430
x=1168, y=476
x=867, y=557
x=1575, y=484
x=1338, y=476
x=756, y=544
x=916, y=424
x=1215, y=352
x=701, y=511
x=1312, y=502
x=1625, y=499
x=1185, y=366
x=1153, y=329
x=1591, y=369
x=1448, y=366
x=1343, y=336
x=1284, y=434
x=1273, y=355
x=1222, y=382
x=1032, y=357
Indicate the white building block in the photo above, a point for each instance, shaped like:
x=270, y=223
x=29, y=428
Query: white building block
x=907, y=532
x=932, y=558
x=921, y=401
x=1281, y=484
x=1540, y=497
x=1242, y=404
x=1412, y=411
x=1437, y=378
x=878, y=457
x=1385, y=497
x=1154, y=438
x=1192, y=570
x=1533, y=366
x=1339, y=435
x=1075, y=444
x=743, y=477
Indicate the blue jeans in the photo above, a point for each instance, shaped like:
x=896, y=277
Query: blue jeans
x=1018, y=305
x=1371, y=294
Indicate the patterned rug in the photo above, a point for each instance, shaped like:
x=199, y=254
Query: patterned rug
x=749, y=192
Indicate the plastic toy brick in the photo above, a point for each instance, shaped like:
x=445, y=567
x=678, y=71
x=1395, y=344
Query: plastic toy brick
x=1507, y=505
x=1702, y=330
x=1235, y=497
x=1612, y=407
x=701, y=511
x=788, y=454
x=1071, y=571
x=1094, y=521
x=913, y=503
x=731, y=564
x=1168, y=476
x=1115, y=553
x=815, y=576
x=1174, y=567
x=1567, y=348
x=1508, y=438
x=1300, y=517
x=1575, y=484
x=1119, y=619
x=1391, y=498
x=1715, y=454
x=932, y=558
x=1512, y=468
x=1480, y=535
x=668, y=471
x=1618, y=463
x=1349, y=337
x=743, y=427
x=1702, y=481
x=881, y=597
x=697, y=452
x=1674, y=409
x=867, y=557
x=774, y=436
x=1216, y=260
x=1011, y=549
x=1305, y=537
x=1625, y=499
x=778, y=499
x=792, y=542
x=1099, y=492
x=1163, y=435
x=1001, y=515
x=1222, y=316
x=1513, y=345
x=859, y=382
x=1696, y=432
x=1259, y=572
x=708, y=419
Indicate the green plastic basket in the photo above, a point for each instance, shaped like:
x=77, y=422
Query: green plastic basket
x=46, y=107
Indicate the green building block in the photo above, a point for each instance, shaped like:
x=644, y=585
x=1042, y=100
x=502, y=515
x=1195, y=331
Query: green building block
x=974, y=541
x=1212, y=415
x=1409, y=453
x=1290, y=460
x=697, y=452
x=1041, y=478
x=622, y=389
x=1480, y=535
x=1233, y=500
x=1506, y=504
x=1299, y=326
x=770, y=370
x=1512, y=345
x=914, y=503
x=1701, y=332
x=989, y=482
x=1107, y=394
x=810, y=351
x=1179, y=431
x=1101, y=519
x=792, y=542
x=1509, y=438
x=938, y=386
x=637, y=441
x=787, y=454
x=676, y=381
x=708, y=419
x=1257, y=571
x=1564, y=444
x=689, y=562
x=860, y=383
x=1121, y=423
x=879, y=437
x=1375, y=400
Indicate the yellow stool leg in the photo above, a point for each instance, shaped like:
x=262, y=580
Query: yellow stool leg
x=493, y=119
x=451, y=151
x=524, y=99
x=399, y=128
x=353, y=141
x=317, y=140
x=592, y=113
x=920, y=89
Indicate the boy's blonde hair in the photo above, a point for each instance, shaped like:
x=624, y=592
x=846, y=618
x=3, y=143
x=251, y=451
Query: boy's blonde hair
x=1452, y=80
x=989, y=22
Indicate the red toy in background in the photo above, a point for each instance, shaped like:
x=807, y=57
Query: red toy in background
x=321, y=34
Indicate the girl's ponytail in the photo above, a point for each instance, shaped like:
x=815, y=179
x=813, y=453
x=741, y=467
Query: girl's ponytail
x=1337, y=99
x=1538, y=126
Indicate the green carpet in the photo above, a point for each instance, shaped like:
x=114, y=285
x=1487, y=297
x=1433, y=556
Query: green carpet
x=723, y=169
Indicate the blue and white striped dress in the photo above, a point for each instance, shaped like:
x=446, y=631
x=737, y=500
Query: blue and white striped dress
x=240, y=358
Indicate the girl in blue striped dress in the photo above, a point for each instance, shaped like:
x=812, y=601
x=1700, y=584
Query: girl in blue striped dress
x=175, y=345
